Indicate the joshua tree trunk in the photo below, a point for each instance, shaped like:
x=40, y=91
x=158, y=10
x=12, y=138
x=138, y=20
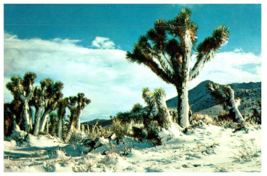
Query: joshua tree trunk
x=183, y=101
x=44, y=120
x=183, y=107
x=37, y=120
x=60, y=125
x=162, y=106
x=82, y=126
x=78, y=124
x=234, y=105
x=47, y=127
x=69, y=133
x=38, y=117
x=26, y=114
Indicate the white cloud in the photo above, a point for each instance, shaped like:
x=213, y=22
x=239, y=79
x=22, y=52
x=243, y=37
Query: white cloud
x=238, y=50
x=103, y=43
x=227, y=67
x=104, y=75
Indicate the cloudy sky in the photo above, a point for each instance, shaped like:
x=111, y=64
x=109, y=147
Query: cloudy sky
x=84, y=47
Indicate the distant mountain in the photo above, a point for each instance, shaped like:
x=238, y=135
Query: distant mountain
x=102, y=122
x=201, y=102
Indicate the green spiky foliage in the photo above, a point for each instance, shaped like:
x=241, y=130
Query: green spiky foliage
x=225, y=97
x=167, y=50
x=22, y=90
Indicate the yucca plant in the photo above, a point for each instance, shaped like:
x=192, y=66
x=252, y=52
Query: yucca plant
x=167, y=50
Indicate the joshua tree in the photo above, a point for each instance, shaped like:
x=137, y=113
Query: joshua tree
x=82, y=102
x=52, y=96
x=226, y=97
x=156, y=110
x=169, y=57
x=39, y=101
x=72, y=105
x=76, y=104
x=22, y=90
x=61, y=111
x=45, y=98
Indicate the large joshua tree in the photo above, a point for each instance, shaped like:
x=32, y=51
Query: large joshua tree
x=167, y=50
x=226, y=97
x=22, y=90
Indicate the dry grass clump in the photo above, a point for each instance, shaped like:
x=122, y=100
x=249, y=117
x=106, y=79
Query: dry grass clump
x=225, y=120
x=247, y=151
x=202, y=117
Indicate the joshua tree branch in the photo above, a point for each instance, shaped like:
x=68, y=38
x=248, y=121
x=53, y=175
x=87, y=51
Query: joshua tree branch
x=198, y=66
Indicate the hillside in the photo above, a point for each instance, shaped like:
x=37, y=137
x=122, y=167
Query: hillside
x=201, y=102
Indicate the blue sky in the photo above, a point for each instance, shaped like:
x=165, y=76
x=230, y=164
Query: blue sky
x=84, y=47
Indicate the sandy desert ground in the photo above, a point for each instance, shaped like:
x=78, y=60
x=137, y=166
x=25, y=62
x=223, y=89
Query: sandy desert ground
x=206, y=148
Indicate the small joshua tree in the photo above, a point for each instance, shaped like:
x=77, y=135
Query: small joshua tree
x=154, y=116
x=226, y=97
x=76, y=104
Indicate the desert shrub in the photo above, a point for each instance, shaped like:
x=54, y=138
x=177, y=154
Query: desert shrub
x=225, y=117
x=118, y=128
x=255, y=118
x=225, y=120
x=247, y=151
x=202, y=117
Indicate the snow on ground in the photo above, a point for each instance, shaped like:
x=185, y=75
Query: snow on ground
x=207, y=148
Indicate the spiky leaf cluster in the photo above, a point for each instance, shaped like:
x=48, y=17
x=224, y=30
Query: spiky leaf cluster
x=165, y=55
x=18, y=86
